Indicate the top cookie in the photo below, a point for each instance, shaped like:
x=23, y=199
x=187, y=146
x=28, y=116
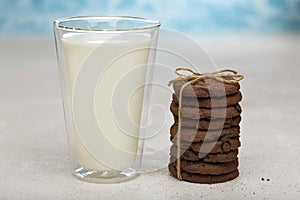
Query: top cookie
x=206, y=88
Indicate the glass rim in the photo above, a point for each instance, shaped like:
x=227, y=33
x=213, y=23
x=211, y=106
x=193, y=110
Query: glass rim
x=152, y=23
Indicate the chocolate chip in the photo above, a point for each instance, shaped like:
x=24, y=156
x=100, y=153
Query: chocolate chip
x=226, y=146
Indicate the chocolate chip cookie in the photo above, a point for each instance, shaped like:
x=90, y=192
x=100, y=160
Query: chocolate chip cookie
x=196, y=113
x=208, y=123
x=206, y=88
x=193, y=135
x=199, y=178
x=216, y=102
x=191, y=155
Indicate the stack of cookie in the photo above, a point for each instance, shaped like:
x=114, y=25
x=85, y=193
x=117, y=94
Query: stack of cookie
x=209, y=135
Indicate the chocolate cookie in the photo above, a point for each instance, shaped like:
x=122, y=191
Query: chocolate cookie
x=205, y=123
x=198, y=178
x=206, y=88
x=190, y=155
x=196, y=113
x=193, y=135
x=199, y=167
x=212, y=147
x=225, y=101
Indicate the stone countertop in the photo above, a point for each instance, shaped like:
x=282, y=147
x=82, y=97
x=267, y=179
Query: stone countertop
x=33, y=142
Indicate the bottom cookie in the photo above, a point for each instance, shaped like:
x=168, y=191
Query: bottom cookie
x=200, y=167
x=208, y=179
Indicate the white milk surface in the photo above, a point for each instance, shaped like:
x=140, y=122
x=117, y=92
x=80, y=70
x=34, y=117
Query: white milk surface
x=106, y=120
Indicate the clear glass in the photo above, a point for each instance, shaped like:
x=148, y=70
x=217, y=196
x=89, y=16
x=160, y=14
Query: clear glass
x=104, y=63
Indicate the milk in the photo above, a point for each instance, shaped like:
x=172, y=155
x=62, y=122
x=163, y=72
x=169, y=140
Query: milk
x=106, y=124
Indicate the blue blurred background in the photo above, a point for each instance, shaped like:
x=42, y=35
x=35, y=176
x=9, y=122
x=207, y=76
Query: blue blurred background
x=196, y=16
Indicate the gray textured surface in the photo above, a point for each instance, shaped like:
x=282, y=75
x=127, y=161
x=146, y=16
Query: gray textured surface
x=33, y=143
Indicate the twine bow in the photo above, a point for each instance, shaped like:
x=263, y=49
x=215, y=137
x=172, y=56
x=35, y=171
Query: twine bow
x=225, y=76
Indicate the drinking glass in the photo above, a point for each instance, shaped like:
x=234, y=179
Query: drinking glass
x=104, y=63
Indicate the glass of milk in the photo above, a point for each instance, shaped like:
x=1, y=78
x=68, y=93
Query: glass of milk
x=105, y=64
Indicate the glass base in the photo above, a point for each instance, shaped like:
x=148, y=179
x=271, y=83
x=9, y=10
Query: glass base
x=104, y=177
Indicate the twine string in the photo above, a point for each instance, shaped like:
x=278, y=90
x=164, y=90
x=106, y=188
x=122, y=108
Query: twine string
x=225, y=76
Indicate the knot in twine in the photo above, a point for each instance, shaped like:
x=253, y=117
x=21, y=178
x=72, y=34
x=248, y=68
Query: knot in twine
x=225, y=76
